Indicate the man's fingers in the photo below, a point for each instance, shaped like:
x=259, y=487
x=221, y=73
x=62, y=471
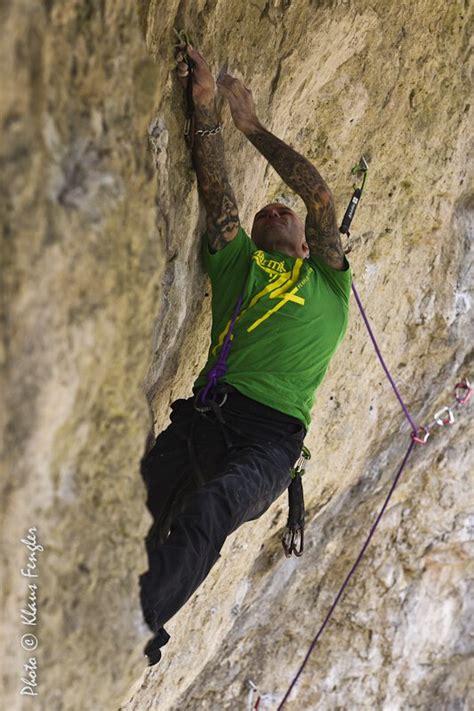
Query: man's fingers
x=231, y=84
x=226, y=80
x=182, y=68
x=196, y=56
x=223, y=70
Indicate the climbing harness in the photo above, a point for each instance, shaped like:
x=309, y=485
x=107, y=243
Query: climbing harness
x=206, y=399
x=419, y=435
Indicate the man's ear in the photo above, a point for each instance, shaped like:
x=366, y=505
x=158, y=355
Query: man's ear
x=305, y=246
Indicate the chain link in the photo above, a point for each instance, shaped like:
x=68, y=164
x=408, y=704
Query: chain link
x=209, y=131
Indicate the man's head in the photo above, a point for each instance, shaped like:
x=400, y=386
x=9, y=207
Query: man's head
x=277, y=227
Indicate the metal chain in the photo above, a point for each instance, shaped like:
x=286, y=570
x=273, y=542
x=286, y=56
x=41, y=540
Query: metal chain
x=209, y=131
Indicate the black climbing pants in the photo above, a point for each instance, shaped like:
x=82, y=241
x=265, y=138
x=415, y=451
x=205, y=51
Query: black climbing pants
x=242, y=465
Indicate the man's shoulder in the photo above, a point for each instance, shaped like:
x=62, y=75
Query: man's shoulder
x=338, y=280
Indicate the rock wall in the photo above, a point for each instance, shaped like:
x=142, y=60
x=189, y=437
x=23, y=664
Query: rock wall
x=105, y=320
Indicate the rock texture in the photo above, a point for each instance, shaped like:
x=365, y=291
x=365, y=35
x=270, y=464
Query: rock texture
x=105, y=320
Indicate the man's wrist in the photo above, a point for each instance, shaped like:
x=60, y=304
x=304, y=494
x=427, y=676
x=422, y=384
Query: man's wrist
x=205, y=114
x=253, y=126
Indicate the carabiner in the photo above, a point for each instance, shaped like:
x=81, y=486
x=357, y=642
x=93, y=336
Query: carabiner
x=293, y=542
x=181, y=47
x=464, y=386
x=447, y=419
x=361, y=167
x=421, y=435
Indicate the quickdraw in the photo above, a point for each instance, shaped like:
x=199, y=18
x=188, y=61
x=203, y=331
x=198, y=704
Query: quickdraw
x=293, y=537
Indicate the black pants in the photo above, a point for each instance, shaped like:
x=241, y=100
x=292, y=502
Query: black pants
x=243, y=466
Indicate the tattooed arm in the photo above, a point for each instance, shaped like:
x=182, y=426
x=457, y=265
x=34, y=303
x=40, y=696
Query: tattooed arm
x=299, y=174
x=216, y=192
x=208, y=152
x=322, y=233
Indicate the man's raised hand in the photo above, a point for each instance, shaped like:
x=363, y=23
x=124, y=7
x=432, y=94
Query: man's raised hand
x=240, y=101
x=203, y=81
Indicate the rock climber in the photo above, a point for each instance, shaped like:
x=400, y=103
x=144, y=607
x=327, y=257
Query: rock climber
x=225, y=458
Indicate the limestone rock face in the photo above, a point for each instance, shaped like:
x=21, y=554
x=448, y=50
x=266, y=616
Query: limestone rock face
x=106, y=321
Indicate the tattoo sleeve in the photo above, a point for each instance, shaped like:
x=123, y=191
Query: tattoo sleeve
x=214, y=187
x=322, y=233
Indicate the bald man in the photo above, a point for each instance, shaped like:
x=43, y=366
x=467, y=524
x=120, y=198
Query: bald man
x=226, y=457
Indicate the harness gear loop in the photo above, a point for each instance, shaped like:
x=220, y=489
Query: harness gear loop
x=299, y=466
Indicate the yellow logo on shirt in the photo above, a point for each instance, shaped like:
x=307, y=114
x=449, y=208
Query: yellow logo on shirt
x=282, y=285
x=271, y=266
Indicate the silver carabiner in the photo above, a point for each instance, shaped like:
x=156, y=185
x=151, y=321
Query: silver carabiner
x=440, y=420
x=293, y=542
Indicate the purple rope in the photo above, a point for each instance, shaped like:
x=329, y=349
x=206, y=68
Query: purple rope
x=351, y=572
x=377, y=349
x=219, y=368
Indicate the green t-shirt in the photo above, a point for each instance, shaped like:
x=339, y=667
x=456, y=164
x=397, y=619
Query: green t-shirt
x=294, y=315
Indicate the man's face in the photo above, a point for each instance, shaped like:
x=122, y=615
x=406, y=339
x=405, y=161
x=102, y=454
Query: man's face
x=277, y=227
